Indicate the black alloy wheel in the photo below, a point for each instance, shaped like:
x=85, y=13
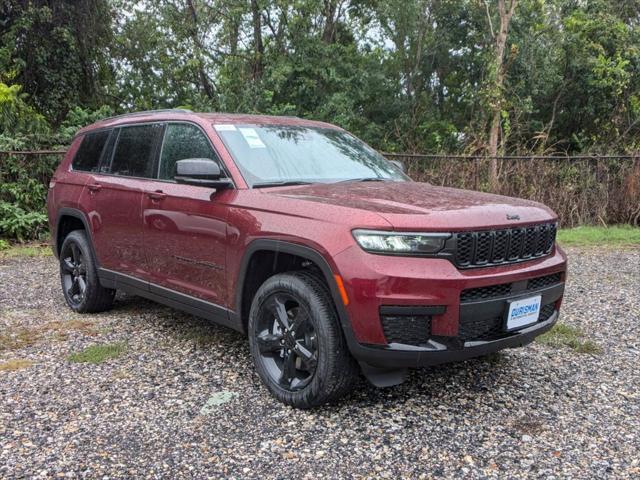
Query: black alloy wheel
x=74, y=273
x=287, y=341
x=79, y=276
x=296, y=341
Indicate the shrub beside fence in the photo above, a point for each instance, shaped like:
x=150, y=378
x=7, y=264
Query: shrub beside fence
x=24, y=179
x=582, y=190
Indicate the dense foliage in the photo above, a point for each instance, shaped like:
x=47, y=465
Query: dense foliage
x=411, y=75
x=406, y=75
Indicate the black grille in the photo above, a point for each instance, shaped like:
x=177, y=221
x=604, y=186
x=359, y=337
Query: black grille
x=504, y=289
x=541, y=282
x=487, y=329
x=464, y=251
x=481, y=293
x=530, y=242
x=474, y=329
x=546, y=312
x=407, y=329
x=500, y=245
x=515, y=245
x=483, y=247
x=496, y=247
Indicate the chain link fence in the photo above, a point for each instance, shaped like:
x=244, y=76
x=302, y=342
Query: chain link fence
x=581, y=189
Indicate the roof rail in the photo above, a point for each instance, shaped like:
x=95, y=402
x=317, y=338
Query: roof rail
x=148, y=112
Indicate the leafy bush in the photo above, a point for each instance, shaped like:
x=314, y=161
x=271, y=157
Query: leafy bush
x=24, y=177
x=20, y=224
x=23, y=193
x=80, y=117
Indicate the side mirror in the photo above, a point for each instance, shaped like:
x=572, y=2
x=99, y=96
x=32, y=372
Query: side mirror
x=202, y=172
x=399, y=165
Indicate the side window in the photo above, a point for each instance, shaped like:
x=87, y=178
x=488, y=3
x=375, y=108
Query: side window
x=182, y=140
x=88, y=155
x=135, y=150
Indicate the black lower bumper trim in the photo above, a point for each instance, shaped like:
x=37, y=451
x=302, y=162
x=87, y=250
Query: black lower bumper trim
x=404, y=356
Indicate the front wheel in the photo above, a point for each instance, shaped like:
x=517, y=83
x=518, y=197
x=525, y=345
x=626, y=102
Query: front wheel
x=296, y=342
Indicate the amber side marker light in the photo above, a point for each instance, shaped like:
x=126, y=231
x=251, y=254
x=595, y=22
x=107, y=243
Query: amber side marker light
x=343, y=292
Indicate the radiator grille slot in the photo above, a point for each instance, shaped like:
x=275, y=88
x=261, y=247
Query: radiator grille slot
x=505, y=289
x=498, y=247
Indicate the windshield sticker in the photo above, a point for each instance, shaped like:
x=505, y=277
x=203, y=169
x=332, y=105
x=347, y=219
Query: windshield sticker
x=225, y=128
x=252, y=138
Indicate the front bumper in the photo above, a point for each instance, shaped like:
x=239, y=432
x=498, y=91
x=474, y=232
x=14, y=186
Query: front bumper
x=445, y=350
x=434, y=288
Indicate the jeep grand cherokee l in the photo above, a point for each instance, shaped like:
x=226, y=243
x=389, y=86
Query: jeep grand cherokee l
x=296, y=233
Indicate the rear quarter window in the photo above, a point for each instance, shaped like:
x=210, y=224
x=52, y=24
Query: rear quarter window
x=88, y=155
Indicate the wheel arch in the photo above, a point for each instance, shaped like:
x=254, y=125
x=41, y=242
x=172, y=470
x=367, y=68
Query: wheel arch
x=277, y=247
x=64, y=215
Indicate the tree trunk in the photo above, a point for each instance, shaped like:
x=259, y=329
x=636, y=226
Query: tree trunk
x=500, y=39
x=258, y=59
x=202, y=74
x=328, y=33
x=234, y=33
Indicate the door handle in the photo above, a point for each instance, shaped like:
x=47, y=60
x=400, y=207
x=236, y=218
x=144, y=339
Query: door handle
x=157, y=195
x=94, y=187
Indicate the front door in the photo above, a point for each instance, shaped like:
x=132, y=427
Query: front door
x=185, y=226
x=117, y=193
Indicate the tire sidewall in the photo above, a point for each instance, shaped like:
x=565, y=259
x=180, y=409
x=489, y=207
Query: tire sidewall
x=312, y=302
x=79, y=238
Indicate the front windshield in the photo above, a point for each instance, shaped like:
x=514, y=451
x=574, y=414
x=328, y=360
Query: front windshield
x=272, y=154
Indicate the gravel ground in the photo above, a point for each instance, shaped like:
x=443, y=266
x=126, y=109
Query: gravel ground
x=158, y=411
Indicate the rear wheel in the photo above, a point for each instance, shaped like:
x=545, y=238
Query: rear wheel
x=296, y=341
x=79, y=276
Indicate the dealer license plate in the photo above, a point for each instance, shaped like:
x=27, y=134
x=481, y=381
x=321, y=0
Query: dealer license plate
x=523, y=312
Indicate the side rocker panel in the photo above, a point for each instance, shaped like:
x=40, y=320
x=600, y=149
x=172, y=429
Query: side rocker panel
x=165, y=296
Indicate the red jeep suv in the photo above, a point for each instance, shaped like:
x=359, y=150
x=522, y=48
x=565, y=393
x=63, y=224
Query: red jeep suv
x=301, y=236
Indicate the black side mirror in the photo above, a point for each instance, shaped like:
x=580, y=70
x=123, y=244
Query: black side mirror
x=400, y=165
x=202, y=172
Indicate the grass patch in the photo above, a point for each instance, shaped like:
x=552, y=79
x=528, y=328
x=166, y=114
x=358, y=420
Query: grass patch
x=13, y=365
x=98, y=353
x=563, y=335
x=63, y=329
x=14, y=338
x=586, y=236
x=25, y=250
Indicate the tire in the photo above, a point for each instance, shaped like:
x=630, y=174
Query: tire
x=79, y=276
x=310, y=310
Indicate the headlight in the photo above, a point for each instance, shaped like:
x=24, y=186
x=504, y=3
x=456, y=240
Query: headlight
x=396, y=242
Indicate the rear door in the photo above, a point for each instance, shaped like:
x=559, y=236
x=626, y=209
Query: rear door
x=117, y=193
x=185, y=226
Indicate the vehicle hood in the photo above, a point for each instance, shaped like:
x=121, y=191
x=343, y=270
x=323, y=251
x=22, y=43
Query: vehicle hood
x=414, y=205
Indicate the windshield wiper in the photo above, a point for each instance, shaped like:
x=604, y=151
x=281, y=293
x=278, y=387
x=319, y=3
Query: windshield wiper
x=364, y=179
x=282, y=183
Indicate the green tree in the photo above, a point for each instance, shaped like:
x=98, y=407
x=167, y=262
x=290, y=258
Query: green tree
x=57, y=52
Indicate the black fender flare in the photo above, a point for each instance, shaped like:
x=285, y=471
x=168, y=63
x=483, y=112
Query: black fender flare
x=80, y=215
x=307, y=253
